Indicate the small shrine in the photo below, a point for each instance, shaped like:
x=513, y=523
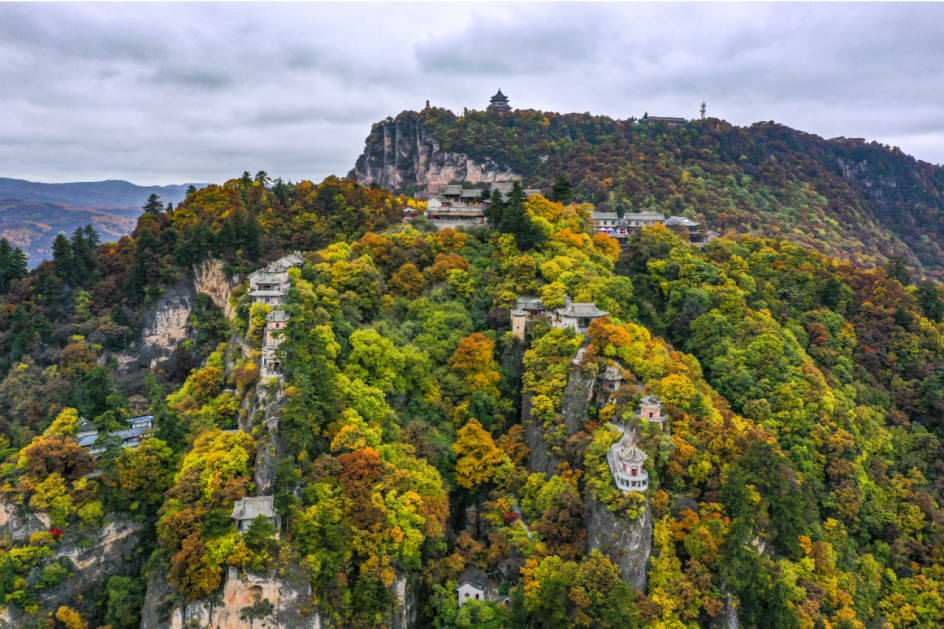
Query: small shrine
x=650, y=409
x=499, y=103
x=626, y=462
x=610, y=383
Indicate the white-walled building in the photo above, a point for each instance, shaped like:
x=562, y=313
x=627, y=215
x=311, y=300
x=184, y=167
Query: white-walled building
x=247, y=509
x=270, y=285
x=626, y=462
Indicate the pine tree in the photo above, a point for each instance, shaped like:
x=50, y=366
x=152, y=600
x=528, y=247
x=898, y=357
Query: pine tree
x=191, y=189
x=515, y=221
x=495, y=209
x=929, y=298
x=13, y=265
x=897, y=269
x=562, y=191
x=153, y=205
x=62, y=256
x=253, y=238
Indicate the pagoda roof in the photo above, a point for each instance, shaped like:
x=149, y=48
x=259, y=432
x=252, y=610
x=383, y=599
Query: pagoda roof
x=651, y=399
x=499, y=96
x=630, y=452
x=613, y=372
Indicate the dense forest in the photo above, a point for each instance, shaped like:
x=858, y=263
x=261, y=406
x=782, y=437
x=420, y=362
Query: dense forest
x=797, y=483
x=850, y=199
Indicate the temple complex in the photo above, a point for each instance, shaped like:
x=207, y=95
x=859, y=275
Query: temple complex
x=576, y=316
x=270, y=285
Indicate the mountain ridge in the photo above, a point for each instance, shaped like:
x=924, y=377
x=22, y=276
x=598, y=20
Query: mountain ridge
x=860, y=201
x=107, y=193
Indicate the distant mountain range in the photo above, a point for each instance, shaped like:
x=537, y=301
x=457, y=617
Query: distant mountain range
x=32, y=214
x=91, y=194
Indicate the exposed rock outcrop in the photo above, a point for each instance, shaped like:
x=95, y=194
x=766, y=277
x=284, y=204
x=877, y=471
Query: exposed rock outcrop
x=93, y=558
x=404, y=153
x=167, y=322
x=241, y=606
x=628, y=544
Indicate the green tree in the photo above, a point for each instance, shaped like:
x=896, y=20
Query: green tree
x=516, y=221
x=62, y=256
x=124, y=597
x=495, y=209
x=153, y=205
x=562, y=191
x=191, y=189
x=897, y=268
x=13, y=265
x=929, y=298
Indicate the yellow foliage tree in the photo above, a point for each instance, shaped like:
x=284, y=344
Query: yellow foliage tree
x=70, y=618
x=478, y=455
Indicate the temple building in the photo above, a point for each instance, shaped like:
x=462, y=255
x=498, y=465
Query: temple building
x=622, y=228
x=610, y=383
x=87, y=434
x=246, y=510
x=271, y=366
x=687, y=227
x=270, y=285
x=499, y=103
x=577, y=317
x=650, y=410
x=626, y=462
x=456, y=206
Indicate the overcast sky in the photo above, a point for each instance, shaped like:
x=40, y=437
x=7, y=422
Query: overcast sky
x=173, y=93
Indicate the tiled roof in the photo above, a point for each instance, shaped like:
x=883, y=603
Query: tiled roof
x=475, y=577
x=680, y=220
x=630, y=452
x=651, y=399
x=251, y=508
x=124, y=435
x=582, y=310
x=529, y=303
x=453, y=190
x=613, y=372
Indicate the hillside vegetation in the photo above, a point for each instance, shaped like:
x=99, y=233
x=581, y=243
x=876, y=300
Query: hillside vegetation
x=848, y=198
x=799, y=485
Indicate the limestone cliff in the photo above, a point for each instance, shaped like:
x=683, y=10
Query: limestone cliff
x=167, y=322
x=241, y=604
x=92, y=558
x=403, y=153
x=628, y=543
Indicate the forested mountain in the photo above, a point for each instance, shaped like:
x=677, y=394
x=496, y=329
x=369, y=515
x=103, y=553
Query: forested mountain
x=849, y=198
x=113, y=194
x=413, y=442
x=33, y=226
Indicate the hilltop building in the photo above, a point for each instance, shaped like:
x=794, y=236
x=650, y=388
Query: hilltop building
x=626, y=461
x=687, y=226
x=577, y=317
x=246, y=510
x=270, y=285
x=499, y=103
x=669, y=120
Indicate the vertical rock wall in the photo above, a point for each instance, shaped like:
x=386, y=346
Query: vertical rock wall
x=404, y=153
x=627, y=543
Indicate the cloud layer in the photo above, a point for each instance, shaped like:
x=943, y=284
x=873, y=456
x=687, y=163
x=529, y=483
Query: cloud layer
x=164, y=93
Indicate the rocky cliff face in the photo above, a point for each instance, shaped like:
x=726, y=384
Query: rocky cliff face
x=93, y=558
x=627, y=543
x=167, y=323
x=241, y=606
x=403, y=153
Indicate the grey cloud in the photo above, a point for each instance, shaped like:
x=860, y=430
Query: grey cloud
x=163, y=93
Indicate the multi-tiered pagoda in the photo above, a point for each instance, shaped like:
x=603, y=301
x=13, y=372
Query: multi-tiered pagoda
x=499, y=103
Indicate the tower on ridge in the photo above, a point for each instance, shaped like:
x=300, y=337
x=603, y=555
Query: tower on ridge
x=499, y=103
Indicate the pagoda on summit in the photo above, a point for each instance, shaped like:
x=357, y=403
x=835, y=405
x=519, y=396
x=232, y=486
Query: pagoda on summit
x=499, y=103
